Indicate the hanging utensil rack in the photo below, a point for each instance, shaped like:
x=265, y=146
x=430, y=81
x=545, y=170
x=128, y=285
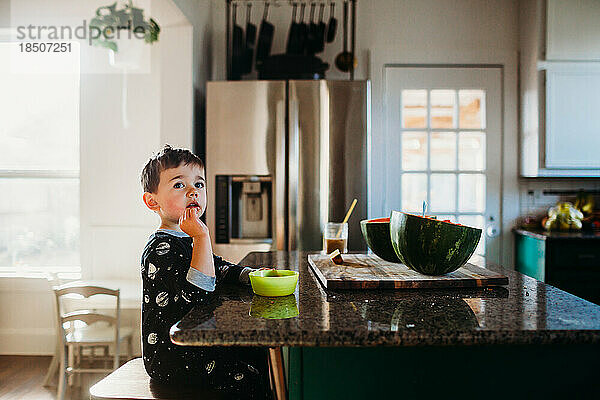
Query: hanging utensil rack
x=289, y=3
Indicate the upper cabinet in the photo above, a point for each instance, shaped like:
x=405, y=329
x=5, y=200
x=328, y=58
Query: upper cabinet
x=560, y=88
x=573, y=30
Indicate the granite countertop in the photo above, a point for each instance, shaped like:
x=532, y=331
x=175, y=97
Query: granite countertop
x=556, y=235
x=524, y=312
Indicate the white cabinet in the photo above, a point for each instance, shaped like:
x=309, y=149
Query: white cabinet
x=572, y=117
x=560, y=97
x=573, y=30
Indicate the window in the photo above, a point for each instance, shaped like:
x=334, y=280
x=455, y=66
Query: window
x=443, y=154
x=39, y=162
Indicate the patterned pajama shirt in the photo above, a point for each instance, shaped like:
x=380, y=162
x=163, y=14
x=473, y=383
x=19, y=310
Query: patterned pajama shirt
x=171, y=289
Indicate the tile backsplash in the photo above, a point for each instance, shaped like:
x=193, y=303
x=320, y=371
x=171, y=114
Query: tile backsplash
x=533, y=201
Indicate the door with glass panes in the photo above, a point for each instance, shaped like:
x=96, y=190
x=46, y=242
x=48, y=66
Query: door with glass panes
x=444, y=145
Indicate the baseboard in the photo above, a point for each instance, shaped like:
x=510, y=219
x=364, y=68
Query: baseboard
x=30, y=342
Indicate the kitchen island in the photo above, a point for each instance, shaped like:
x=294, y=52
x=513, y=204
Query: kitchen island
x=524, y=340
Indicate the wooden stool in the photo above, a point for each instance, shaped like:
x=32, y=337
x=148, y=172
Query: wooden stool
x=132, y=382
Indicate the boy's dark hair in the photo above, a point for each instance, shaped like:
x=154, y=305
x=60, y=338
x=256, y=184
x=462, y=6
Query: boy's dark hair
x=167, y=158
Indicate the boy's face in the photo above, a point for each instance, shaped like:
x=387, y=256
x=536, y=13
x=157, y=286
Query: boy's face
x=178, y=189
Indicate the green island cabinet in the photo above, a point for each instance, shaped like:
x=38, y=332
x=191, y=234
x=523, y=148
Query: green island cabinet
x=441, y=372
x=567, y=260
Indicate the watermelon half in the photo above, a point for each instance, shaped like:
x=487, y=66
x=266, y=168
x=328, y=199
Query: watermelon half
x=430, y=246
x=377, y=235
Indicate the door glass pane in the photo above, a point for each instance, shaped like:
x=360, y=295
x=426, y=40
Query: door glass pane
x=443, y=151
x=442, y=108
x=414, y=192
x=443, y=192
x=471, y=196
x=472, y=109
x=476, y=221
x=471, y=151
x=414, y=151
x=444, y=217
x=414, y=108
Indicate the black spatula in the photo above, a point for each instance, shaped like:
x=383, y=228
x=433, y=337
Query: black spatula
x=265, y=37
x=237, y=48
x=332, y=27
x=321, y=31
x=292, y=41
x=302, y=32
x=250, y=41
x=312, y=36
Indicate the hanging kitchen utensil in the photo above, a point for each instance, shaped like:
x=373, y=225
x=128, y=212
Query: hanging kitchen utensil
x=345, y=60
x=292, y=42
x=321, y=30
x=302, y=31
x=250, y=40
x=265, y=37
x=311, y=37
x=237, y=47
x=332, y=26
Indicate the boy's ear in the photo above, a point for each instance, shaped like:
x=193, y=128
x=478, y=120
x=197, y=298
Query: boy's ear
x=150, y=201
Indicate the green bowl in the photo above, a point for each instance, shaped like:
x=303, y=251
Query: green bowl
x=274, y=307
x=377, y=235
x=274, y=282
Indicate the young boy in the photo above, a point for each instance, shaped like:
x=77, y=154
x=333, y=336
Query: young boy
x=179, y=271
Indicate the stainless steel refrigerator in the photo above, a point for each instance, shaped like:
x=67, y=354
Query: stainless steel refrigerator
x=282, y=159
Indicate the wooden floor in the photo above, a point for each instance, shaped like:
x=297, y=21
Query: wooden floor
x=21, y=378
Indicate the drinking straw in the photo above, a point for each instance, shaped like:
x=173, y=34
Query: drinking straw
x=346, y=217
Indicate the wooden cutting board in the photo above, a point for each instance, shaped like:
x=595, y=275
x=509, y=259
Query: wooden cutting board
x=366, y=271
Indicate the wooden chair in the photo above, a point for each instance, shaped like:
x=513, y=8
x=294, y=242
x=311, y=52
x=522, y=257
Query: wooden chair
x=100, y=331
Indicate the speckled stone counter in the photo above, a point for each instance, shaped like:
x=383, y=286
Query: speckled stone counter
x=524, y=312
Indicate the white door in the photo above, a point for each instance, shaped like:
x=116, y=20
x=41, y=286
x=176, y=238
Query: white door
x=444, y=145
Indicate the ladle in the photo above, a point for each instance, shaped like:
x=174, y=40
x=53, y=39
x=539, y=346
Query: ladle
x=345, y=60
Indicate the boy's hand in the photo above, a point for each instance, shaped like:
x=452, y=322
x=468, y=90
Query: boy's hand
x=191, y=224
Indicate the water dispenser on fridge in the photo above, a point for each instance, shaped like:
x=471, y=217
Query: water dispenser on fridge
x=243, y=208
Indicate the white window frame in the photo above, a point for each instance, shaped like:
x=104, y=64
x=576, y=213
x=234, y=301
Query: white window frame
x=49, y=271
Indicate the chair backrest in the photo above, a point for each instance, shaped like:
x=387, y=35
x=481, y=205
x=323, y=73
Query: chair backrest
x=87, y=316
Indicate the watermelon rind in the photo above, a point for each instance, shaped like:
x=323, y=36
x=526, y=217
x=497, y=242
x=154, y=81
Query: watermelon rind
x=376, y=233
x=430, y=246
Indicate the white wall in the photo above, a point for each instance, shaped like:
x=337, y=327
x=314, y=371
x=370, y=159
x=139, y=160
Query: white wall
x=4, y=13
x=199, y=13
x=115, y=224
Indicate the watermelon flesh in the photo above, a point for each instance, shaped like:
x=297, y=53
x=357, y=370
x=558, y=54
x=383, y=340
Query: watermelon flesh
x=430, y=246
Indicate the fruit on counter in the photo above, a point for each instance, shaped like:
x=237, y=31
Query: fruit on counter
x=584, y=202
x=377, y=235
x=563, y=217
x=336, y=257
x=530, y=222
x=430, y=246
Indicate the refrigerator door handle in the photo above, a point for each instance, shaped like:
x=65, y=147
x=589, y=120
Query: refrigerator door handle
x=293, y=160
x=280, y=180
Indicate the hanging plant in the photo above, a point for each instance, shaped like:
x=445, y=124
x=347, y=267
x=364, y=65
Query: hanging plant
x=110, y=21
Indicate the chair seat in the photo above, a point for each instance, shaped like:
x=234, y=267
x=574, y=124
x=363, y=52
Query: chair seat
x=97, y=335
x=131, y=381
